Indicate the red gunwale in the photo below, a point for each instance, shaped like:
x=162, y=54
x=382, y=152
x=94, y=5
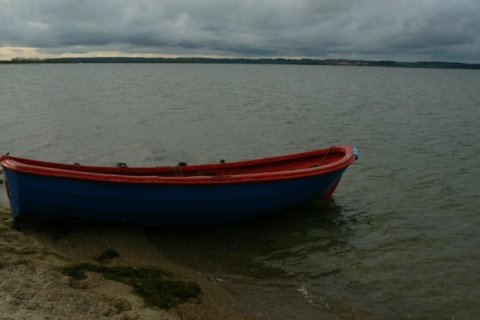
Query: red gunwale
x=343, y=156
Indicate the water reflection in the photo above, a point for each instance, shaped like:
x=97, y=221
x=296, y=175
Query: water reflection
x=273, y=246
x=284, y=259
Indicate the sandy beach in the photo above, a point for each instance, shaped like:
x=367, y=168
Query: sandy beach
x=32, y=286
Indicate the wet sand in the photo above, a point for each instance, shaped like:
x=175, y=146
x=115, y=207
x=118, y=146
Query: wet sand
x=32, y=287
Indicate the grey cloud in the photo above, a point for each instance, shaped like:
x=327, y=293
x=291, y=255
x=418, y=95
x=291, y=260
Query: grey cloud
x=368, y=29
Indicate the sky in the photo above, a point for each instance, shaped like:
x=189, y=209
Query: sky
x=400, y=30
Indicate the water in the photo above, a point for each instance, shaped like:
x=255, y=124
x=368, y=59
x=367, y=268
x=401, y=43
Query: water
x=400, y=237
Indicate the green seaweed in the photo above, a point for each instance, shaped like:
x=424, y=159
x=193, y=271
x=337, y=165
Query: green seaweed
x=77, y=271
x=107, y=256
x=156, y=285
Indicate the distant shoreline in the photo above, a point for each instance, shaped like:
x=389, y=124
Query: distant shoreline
x=279, y=61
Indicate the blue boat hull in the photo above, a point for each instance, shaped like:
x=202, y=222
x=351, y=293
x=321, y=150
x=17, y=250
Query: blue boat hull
x=39, y=198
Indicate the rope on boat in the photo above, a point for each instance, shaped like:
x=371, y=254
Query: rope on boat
x=324, y=156
x=178, y=169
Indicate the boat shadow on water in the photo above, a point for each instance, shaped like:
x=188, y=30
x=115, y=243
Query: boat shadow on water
x=240, y=248
x=276, y=258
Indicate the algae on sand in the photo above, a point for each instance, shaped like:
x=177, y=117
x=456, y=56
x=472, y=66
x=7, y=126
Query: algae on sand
x=107, y=256
x=156, y=285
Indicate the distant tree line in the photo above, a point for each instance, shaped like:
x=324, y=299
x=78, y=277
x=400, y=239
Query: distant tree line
x=325, y=62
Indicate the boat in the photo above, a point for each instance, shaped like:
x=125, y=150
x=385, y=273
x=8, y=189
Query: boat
x=217, y=193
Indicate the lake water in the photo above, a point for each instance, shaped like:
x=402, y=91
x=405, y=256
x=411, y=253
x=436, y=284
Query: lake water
x=400, y=238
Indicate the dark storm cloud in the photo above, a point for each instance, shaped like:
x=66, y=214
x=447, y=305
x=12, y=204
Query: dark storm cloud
x=364, y=29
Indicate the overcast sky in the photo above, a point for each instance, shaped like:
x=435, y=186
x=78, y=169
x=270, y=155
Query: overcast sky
x=402, y=30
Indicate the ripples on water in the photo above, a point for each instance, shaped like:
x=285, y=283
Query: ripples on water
x=399, y=239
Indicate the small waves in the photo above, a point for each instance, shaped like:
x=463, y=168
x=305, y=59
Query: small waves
x=398, y=240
